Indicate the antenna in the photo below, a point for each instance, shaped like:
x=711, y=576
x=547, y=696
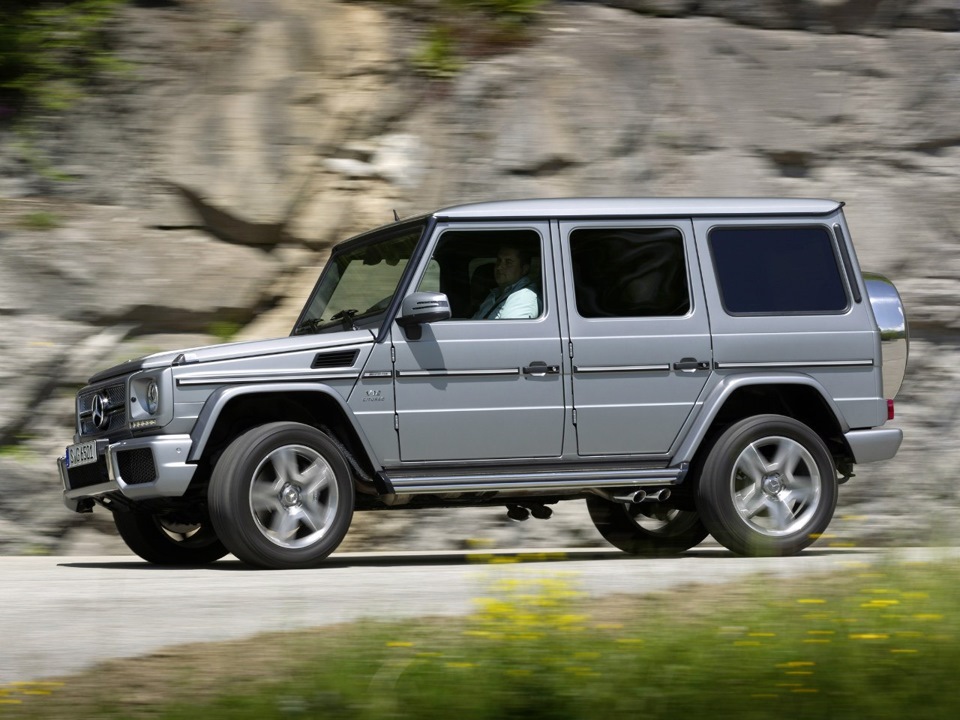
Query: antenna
x=395, y=216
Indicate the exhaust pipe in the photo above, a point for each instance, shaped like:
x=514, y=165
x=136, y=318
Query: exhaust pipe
x=639, y=496
x=659, y=495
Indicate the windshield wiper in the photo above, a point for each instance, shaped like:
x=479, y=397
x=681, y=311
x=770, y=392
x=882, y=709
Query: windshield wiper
x=346, y=317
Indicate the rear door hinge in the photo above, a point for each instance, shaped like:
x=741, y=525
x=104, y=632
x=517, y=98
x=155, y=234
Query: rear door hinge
x=396, y=422
x=573, y=414
x=570, y=348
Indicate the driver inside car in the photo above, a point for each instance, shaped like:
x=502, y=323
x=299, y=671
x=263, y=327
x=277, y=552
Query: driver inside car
x=514, y=297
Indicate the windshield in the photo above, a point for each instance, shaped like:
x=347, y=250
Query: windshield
x=358, y=284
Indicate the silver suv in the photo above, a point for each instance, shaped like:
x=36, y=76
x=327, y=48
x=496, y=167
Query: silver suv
x=685, y=366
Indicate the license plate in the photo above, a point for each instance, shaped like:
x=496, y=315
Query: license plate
x=82, y=454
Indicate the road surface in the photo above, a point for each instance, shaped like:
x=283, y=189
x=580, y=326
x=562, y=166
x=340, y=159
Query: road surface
x=59, y=615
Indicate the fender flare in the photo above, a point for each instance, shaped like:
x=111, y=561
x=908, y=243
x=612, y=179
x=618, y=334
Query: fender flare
x=729, y=385
x=219, y=398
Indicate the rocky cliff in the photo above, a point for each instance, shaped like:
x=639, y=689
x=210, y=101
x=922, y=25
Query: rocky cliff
x=194, y=198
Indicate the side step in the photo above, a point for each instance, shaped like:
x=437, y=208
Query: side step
x=533, y=480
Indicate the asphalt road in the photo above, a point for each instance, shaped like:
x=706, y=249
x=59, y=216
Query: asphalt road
x=63, y=614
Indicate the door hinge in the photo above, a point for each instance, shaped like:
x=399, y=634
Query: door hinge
x=574, y=416
x=393, y=353
x=396, y=422
x=570, y=348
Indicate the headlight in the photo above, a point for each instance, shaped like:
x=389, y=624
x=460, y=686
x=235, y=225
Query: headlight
x=153, y=397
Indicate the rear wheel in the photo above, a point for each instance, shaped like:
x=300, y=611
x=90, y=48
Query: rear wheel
x=164, y=540
x=768, y=486
x=281, y=496
x=648, y=529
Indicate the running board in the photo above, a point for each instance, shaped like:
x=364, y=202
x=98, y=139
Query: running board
x=543, y=481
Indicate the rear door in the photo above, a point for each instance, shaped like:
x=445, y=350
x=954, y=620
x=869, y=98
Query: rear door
x=638, y=332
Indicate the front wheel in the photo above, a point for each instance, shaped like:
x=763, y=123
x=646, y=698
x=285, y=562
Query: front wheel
x=164, y=540
x=646, y=529
x=768, y=486
x=281, y=496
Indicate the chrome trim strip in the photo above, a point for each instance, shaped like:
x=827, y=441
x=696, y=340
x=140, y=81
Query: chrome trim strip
x=455, y=373
x=379, y=374
x=295, y=376
x=621, y=368
x=793, y=363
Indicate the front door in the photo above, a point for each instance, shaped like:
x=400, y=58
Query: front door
x=639, y=331
x=485, y=384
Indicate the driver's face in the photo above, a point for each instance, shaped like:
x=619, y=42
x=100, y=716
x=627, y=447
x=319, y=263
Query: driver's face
x=508, y=268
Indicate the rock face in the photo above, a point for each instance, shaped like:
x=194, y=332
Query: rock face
x=205, y=189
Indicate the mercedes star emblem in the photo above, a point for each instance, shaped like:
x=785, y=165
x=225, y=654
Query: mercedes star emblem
x=101, y=404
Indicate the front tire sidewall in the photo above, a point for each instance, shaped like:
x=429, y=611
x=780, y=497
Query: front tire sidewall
x=229, y=496
x=145, y=535
x=716, y=497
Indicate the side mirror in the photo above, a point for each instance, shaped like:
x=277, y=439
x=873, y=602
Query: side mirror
x=423, y=307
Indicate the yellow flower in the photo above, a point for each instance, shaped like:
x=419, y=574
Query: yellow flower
x=869, y=636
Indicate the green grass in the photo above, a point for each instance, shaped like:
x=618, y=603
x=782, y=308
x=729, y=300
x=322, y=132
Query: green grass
x=872, y=642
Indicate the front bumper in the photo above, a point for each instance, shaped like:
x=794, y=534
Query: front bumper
x=139, y=469
x=874, y=445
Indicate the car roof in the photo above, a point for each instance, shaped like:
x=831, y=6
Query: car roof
x=629, y=207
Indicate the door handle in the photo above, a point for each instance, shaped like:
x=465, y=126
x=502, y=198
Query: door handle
x=691, y=365
x=538, y=367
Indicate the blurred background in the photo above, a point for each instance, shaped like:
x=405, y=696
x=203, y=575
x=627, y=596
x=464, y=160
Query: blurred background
x=173, y=172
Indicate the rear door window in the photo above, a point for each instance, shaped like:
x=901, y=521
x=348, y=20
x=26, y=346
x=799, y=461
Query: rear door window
x=629, y=272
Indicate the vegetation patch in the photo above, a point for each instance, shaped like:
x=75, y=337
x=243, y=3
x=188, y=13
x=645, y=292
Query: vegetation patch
x=463, y=29
x=40, y=220
x=224, y=330
x=51, y=52
x=874, y=641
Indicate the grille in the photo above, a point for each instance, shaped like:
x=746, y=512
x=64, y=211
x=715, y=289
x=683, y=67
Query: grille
x=116, y=409
x=337, y=358
x=87, y=475
x=136, y=466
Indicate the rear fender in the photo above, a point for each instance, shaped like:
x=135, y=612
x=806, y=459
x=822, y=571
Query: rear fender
x=716, y=400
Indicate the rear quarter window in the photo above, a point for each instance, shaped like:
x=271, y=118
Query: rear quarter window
x=777, y=270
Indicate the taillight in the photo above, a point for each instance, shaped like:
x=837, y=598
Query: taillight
x=890, y=410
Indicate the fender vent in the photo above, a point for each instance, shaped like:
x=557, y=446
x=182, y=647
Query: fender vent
x=337, y=358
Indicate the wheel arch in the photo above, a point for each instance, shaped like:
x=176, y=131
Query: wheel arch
x=230, y=411
x=797, y=396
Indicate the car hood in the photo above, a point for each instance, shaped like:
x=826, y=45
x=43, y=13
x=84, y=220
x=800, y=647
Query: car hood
x=231, y=351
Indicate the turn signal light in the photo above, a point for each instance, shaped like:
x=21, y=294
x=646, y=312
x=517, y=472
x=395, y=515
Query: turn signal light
x=890, y=410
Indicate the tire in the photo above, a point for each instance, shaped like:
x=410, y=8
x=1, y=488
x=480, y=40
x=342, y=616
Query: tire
x=768, y=487
x=281, y=496
x=647, y=529
x=160, y=540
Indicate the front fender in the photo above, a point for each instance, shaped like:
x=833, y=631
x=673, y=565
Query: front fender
x=716, y=398
x=218, y=400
